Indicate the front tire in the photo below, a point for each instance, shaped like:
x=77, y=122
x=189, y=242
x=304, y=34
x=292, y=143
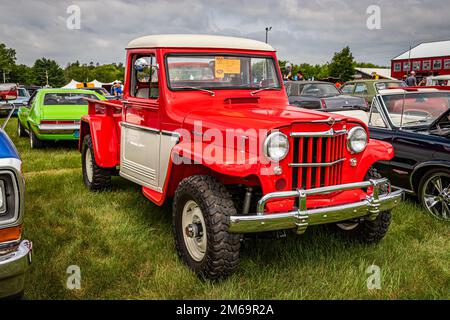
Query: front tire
x=35, y=143
x=201, y=210
x=95, y=178
x=20, y=129
x=367, y=231
x=434, y=193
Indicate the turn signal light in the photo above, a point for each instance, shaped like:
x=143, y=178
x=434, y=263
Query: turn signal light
x=10, y=234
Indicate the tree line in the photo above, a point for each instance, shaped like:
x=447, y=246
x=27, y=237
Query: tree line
x=342, y=68
x=45, y=71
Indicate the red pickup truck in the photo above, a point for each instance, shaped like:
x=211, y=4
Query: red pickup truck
x=206, y=123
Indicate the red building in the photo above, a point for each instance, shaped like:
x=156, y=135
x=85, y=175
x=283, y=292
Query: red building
x=429, y=58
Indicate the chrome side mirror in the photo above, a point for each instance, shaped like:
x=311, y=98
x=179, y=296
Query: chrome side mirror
x=144, y=68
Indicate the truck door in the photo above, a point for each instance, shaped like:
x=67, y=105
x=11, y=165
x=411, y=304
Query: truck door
x=140, y=137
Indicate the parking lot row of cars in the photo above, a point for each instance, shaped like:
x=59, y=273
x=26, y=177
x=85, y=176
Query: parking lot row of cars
x=325, y=157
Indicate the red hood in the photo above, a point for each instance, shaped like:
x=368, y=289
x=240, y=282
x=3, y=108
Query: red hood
x=253, y=116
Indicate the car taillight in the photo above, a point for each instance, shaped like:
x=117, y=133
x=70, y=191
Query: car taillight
x=60, y=122
x=324, y=104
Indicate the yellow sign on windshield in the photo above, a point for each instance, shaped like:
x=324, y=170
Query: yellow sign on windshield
x=226, y=66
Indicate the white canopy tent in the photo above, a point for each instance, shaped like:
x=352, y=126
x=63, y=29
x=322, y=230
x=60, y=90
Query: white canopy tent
x=71, y=85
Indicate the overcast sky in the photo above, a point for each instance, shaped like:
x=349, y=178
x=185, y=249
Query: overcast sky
x=302, y=31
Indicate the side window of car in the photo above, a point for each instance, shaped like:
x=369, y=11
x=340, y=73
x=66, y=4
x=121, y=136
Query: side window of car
x=144, y=77
x=376, y=120
x=361, y=88
x=348, y=88
x=32, y=99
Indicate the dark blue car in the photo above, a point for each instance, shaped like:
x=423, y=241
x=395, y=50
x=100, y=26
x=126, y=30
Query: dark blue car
x=15, y=253
x=417, y=123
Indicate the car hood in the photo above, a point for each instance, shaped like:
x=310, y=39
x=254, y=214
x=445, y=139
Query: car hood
x=63, y=112
x=7, y=148
x=253, y=116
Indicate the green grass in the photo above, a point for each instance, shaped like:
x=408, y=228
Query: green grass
x=124, y=247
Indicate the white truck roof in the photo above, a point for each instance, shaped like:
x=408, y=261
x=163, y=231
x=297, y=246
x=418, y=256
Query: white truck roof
x=198, y=41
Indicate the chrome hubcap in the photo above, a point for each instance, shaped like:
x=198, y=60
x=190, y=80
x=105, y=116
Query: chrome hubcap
x=194, y=235
x=89, y=166
x=436, y=196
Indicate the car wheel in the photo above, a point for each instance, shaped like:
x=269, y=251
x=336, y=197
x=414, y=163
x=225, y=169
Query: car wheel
x=20, y=129
x=434, y=193
x=95, y=178
x=367, y=231
x=35, y=143
x=201, y=210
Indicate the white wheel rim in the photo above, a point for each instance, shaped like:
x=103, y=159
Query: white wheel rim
x=89, y=166
x=348, y=226
x=196, y=240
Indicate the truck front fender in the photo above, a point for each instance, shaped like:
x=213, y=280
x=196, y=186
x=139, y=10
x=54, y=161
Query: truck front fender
x=376, y=151
x=105, y=139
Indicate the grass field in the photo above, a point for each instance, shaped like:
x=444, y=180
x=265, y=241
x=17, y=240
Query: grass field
x=124, y=247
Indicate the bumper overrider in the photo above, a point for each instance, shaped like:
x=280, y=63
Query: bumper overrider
x=302, y=218
x=13, y=268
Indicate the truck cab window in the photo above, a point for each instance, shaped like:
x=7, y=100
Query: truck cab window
x=144, y=77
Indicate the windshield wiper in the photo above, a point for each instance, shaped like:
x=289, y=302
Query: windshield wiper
x=212, y=93
x=262, y=89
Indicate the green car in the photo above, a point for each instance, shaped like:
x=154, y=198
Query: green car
x=54, y=114
x=368, y=89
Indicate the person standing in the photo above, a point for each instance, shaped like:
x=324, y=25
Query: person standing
x=411, y=81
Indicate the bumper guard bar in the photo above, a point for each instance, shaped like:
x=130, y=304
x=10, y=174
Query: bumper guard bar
x=303, y=217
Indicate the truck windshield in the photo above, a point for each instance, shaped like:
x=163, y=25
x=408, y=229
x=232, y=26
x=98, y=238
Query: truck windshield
x=221, y=72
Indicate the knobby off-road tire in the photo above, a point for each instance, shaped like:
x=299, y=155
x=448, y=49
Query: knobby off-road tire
x=35, y=143
x=20, y=129
x=201, y=210
x=367, y=231
x=95, y=178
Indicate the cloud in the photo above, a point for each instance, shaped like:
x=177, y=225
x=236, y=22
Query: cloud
x=303, y=31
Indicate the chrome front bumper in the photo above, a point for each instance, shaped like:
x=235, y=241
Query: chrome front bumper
x=303, y=217
x=13, y=268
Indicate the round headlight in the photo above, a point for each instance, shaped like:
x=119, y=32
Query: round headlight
x=357, y=139
x=276, y=146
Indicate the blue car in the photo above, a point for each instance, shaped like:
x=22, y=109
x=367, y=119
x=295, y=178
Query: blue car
x=15, y=253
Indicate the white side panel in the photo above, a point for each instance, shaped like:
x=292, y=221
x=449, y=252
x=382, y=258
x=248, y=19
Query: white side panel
x=139, y=152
